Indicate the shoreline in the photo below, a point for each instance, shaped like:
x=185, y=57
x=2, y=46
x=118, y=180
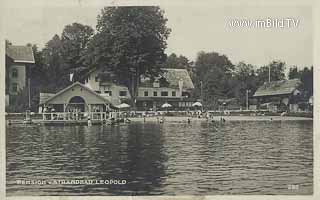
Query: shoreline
x=217, y=118
x=173, y=119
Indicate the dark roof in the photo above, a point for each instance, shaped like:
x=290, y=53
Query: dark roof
x=277, y=88
x=71, y=86
x=22, y=54
x=173, y=76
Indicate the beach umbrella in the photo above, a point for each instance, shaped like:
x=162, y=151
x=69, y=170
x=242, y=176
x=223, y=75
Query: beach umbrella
x=123, y=105
x=166, y=105
x=197, y=104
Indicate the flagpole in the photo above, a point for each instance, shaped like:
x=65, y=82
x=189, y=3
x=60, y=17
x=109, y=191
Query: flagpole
x=29, y=93
x=269, y=73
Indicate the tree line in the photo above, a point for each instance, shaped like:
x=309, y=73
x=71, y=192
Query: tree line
x=221, y=79
x=131, y=41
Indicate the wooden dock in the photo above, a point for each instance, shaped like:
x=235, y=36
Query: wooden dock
x=67, y=118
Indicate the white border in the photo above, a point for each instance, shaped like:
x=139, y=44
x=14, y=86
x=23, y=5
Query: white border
x=63, y=3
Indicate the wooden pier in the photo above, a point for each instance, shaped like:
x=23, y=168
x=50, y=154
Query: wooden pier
x=74, y=116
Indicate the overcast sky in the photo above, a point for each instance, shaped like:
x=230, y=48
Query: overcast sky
x=194, y=28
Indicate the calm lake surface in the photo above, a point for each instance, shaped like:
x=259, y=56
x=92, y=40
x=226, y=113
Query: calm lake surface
x=239, y=157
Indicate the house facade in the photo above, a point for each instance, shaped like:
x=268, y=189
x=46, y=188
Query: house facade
x=173, y=87
x=107, y=86
x=278, y=96
x=19, y=59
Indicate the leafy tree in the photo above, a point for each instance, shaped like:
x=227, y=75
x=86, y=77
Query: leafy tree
x=307, y=80
x=178, y=62
x=56, y=76
x=276, y=72
x=74, y=42
x=306, y=77
x=244, y=79
x=293, y=73
x=214, y=72
x=130, y=41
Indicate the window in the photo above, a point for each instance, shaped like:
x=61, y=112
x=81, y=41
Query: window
x=146, y=93
x=122, y=93
x=155, y=93
x=185, y=94
x=14, y=87
x=98, y=91
x=173, y=93
x=108, y=92
x=97, y=79
x=164, y=94
x=14, y=73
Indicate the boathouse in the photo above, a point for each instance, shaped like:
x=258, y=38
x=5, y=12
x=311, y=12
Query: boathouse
x=76, y=98
x=277, y=96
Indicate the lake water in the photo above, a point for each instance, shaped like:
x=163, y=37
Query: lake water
x=239, y=157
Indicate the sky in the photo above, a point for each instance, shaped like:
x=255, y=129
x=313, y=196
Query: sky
x=195, y=28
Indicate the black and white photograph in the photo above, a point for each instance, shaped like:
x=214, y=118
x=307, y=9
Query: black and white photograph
x=161, y=99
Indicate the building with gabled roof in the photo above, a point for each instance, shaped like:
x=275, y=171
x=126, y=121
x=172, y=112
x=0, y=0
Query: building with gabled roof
x=106, y=85
x=174, y=86
x=279, y=95
x=278, y=88
x=20, y=54
x=19, y=60
x=76, y=97
x=101, y=90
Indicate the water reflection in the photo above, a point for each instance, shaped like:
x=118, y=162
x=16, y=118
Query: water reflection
x=244, y=157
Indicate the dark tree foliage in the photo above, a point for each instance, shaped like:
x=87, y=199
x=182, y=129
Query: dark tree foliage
x=57, y=75
x=277, y=72
x=74, y=43
x=130, y=41
x=244, y=79
x=293, y=73
x=214, y=72
x=306, y=77
x=178, y=62
x=60, y=57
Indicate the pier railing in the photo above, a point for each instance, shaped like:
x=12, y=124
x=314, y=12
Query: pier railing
x=74, y=116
